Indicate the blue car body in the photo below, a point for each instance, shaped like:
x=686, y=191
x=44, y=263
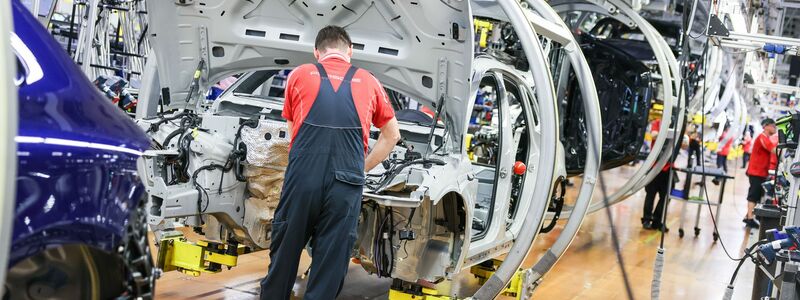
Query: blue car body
x=76, y=174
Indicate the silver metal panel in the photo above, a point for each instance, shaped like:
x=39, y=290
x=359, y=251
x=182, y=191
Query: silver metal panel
x=399, y=42
x=8, y=129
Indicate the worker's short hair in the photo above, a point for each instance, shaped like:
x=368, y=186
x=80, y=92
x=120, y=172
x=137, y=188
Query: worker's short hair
x=332, y=36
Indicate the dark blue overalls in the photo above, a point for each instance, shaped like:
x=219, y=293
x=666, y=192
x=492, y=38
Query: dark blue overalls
x=321, y=196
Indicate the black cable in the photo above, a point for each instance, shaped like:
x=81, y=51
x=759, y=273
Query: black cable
x=200, y=189
x=411, y=216
x=397, y=168
x=747, y=253
x=391, y=239
x=173, y=134
x=777, y=167
x=154, y=127
x=683, y=92
x=444, y=140
x=615, y=239
x=703, y=167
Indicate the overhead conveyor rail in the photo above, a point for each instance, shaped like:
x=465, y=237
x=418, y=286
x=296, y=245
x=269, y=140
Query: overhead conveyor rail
x=545, y=169
x=771, y=87
x=594, y=134
x=723, y=37
x=547, y=24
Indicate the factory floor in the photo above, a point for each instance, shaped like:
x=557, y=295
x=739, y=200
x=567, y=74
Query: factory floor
x=695, y=267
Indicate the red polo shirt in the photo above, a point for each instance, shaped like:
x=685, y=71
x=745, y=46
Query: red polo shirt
x=369, y=96
x=760, y=157
x=727, y=147
x=748, y=145
x=655, y=127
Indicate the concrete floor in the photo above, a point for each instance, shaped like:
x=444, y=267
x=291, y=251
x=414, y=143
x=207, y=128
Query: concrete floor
x=696, y=267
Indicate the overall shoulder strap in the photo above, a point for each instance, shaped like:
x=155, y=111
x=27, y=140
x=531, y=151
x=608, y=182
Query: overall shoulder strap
x=321, y=70
x=350, y=73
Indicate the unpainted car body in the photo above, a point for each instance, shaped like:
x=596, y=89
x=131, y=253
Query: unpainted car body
x=623, y=73
x=428, y=211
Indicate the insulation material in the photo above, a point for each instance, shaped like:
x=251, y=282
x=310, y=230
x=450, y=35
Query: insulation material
x=264, y=185
x=267, y=144
x=267, y=157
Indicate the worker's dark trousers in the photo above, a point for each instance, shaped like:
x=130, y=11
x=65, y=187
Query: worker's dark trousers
x=722, y=162
x=696, y=152
x=321, y=197
x=658, y=186
x=745, y=159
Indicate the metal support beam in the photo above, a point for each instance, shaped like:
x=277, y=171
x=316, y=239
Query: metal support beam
x=8, y=129
x=726, y=38
x=771, y=87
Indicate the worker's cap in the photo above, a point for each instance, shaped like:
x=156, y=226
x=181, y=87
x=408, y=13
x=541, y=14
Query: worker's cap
x=767, y=121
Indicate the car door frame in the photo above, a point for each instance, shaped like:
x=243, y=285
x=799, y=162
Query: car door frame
x=499, y=238
x=502, y=186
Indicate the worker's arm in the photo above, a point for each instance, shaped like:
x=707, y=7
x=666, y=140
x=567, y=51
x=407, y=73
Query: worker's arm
x=768, y=144
x=390, y=134
x=289, y=96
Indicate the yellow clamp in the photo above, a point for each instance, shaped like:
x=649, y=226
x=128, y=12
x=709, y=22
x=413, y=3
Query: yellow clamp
x=483, y=27
x=514, y=288
x=427, y=294
x=176, y=253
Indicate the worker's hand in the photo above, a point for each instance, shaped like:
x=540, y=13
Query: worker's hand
x=390, y=134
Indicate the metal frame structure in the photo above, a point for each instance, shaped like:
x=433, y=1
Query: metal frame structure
x=548, y=24
x=668, y=69
x=8, y=130
x=780, y=88
x=449, y=81
x=96, y=35
x=723, y=37
x=577, y=61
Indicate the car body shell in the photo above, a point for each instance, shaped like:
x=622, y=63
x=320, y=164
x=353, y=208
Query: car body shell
x=76, y=172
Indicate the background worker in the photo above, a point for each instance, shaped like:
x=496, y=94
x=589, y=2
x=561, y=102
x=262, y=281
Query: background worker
x=758, y=170
x=725, y=144
x=329, y=107
x=695, y=147
x=651, y=218
x=660, y=185
x=747, y=146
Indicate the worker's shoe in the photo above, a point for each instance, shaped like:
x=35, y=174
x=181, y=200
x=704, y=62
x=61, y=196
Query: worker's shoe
x=715, y=181
x=647, y=223
x=660, y=227
x=751, y=223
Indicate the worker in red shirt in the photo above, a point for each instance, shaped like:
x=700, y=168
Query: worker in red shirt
x=758, y=170
x=329, y=108
x=747, y=146
x=722, y=152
